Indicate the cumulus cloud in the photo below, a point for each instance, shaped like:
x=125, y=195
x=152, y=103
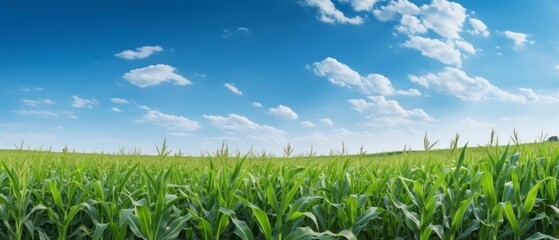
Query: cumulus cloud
x=78, y=102
x=330, y=14
x=465, y=46
x=411, y=25
x=442, y=18
x=403, y=7
x=343, y=76
x=233, y=89
x=283, y=112
x=327, y=122
x=360, y=5
x=38, y=102
x=153, y=75
x=246, y=127
x=519, y=39
x=115, y=109
x=119, y=100
x=478, y=27
x=176, y=125
x=444, y=52
x=308, y=124
x=256, y=104
x=141, y=52
x=383, y=112
x=454, y=81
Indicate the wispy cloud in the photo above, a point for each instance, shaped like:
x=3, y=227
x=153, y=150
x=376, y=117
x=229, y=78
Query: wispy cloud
x=38, y=102
x=227, y=33
x=115, y=109
x=78, y=102
x=233, y=89
x=248, y=128
x=39, y=113
x=343, y=76
x=26, y=89
x=176, y=125
x=139, y=53
x=308, y=124
x=383, y=112
x=119, y=100
x=327, y=122
x=454, y=81
x=519, y=39
x=330, y=14
x=154, y=75
x=45, y=113
x=256, y=104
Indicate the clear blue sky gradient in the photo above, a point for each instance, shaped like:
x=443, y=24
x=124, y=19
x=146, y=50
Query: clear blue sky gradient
x=51, y=51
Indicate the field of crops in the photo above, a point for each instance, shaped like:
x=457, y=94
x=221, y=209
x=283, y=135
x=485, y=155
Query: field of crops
x=470, y=193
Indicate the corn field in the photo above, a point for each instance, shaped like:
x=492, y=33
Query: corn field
x=468, y=193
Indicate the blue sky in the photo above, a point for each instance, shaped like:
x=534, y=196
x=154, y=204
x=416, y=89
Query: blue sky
x=101, y=75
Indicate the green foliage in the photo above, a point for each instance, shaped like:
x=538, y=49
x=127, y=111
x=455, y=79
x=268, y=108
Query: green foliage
x=468, y=193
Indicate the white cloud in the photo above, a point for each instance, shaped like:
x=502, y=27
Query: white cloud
x=444, y=17
x=233, y=89
x=360, y=5
x=256, y=104
x=141, y=52
x=119, y=100
x=246, y=127
x=68, y=114
x=243, y=29
x=470, y=122
x=34, y=103
x=153, y=75
x=557, y=67
x=115, y=109
x=26, y=89
x=343, y=76
x=411, y=25
x=308, y=124
x=78, y=102
x=444, y=52
x=409, y=92
x=453, y=81
x=519, y=39
x=283, y=112
x=478, y=27
x=384, y=112
x=175, y=124
x=225, y=33
x=330, y=14
x=404, y=7
x=465, y=46
x=45, y=113
x=532, y=96
x=327, y=122
x=41, y=113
